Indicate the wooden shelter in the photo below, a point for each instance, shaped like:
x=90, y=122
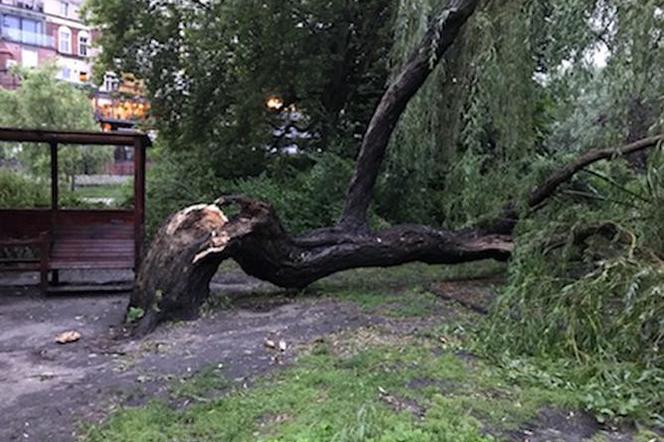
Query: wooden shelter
x=64, y=239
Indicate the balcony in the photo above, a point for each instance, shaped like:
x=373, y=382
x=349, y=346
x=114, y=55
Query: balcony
x=26, y=37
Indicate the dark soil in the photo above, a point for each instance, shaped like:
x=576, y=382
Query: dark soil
x=557, y=425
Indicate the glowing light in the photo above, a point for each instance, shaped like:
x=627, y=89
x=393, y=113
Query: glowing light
x=274, y=103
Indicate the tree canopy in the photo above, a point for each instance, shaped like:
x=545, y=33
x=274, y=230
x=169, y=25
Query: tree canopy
x=43, y=102
x=210, y=68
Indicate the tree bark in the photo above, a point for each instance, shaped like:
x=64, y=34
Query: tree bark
x=187, y=251
x=412, y=76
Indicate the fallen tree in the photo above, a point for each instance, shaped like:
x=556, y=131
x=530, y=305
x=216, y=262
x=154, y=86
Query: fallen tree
x=186, y=252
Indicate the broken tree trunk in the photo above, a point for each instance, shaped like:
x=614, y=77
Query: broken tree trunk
x=174, y=280
x=187, y=251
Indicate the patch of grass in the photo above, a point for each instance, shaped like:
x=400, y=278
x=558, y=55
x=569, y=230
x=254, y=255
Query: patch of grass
x=407, y=304
x=416, y=304
x=203, y=383
x=405, y=276
x=214, y=303
x=345, y=389
x=399, y=291
x=115, y=191
x=611, y=391
x=134, y=314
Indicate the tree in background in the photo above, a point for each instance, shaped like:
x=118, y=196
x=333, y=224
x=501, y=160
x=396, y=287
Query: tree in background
x=528, y=81
x=210, y=68
x=43, y=102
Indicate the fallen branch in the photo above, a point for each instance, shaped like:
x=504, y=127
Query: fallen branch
x=564, y=174
x=188, y=249
x=174, y=279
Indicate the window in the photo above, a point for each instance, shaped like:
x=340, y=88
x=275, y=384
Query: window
x=83, y=43
x=64, y=35
x=11, y=22
x=32, y=31
x=64, y=8
x=65, y=73
x=110, y=82
x=24, y=30
x=32, y=26
x=29, y=58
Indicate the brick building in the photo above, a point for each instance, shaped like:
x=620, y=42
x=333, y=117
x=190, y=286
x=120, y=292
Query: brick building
x=35, y=32
x=24, y=38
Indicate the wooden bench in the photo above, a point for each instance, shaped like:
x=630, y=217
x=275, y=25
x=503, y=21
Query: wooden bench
x=93, y=240
x=67, y=240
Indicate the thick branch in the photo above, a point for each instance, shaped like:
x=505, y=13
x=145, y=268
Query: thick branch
x=394, y=101
x=505, y=223
x=187, y=251
x=542, y=192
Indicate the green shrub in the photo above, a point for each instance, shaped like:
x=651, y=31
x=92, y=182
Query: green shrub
x=307, y=199
x=19, y=191
x=586, y=291
x=304, y=199
x=175, y=181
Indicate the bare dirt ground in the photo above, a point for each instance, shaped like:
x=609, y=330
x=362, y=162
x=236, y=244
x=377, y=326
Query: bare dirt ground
x=47, y=390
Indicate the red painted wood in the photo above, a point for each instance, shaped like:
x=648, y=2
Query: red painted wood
x=24, y=223
x=88, y=265
x=139, y=200
x=74, y=137
x=80, y=238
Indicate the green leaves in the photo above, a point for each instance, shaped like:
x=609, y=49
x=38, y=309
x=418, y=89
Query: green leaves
x=210, y=66
x=43, y=102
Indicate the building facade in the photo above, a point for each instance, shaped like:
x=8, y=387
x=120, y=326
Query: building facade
x=36, y=32
x=24, y=38
x=72, y=40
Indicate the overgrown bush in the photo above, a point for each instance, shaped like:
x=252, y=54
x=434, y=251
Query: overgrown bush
x=175, y=181
x=304, y=199
x=586, y=286
x=19, y=191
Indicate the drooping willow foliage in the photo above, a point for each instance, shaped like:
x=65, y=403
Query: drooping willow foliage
x=529, y=82
x=477, y=113
x=586, y=285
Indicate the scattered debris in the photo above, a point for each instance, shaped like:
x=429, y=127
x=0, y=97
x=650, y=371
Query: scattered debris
x=281, y=345
x=68, y=337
